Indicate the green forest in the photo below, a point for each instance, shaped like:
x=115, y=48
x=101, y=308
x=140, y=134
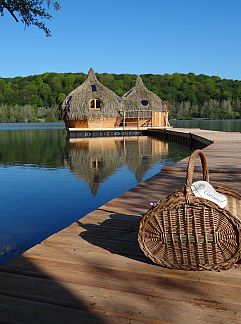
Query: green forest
x=190, y=96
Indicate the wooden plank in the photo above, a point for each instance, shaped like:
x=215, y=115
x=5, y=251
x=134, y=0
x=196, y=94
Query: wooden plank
x=98, y=300
x=106, y=276
x=94, y=260
x=93, y=230
x=108, y=221
x=18, y=310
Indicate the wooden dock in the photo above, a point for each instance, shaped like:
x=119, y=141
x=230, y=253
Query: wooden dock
x=94, y=272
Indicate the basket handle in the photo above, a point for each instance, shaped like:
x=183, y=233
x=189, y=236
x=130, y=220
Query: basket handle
x=190, y=169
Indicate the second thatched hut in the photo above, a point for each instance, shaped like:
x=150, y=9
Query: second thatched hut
x=142, y=107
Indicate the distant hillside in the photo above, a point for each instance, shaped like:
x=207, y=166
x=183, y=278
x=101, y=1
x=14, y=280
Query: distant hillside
x=189, y=96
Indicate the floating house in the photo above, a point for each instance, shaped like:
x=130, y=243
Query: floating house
x=92, y=106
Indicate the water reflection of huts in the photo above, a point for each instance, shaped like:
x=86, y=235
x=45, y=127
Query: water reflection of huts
x=95, y=159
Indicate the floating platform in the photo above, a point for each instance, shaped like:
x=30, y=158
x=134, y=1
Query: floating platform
x=93, y=271
x=110, y=132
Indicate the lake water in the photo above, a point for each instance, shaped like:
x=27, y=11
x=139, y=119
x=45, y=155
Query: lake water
x=48, y=182
x=232, y=125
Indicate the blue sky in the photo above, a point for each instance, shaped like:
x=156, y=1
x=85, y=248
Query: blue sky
x=128, y=36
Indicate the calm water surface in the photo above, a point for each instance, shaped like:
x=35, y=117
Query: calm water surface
x=48, y=182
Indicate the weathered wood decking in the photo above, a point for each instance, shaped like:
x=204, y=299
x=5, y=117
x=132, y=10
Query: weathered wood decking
x=94, y=272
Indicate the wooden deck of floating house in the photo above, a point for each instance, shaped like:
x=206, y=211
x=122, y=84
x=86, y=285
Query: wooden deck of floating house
x=94, y=272
x=132, y=123
x=109, y=132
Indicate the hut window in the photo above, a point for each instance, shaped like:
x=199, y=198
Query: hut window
x=145, y=103
x=96, y=164
x=97, y=104
x=93, y=88
x=94, y=104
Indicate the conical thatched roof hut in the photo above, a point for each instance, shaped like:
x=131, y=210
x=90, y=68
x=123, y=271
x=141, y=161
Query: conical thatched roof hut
x=89, y=104
x=143, y=107
x=140, y=98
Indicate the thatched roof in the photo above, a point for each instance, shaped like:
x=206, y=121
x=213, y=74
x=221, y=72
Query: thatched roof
x=140, y=98
x=76, y=104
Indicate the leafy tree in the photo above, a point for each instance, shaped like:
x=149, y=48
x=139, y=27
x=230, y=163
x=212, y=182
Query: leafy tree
x=30, y=12
x=61, y=97
x=189, y=95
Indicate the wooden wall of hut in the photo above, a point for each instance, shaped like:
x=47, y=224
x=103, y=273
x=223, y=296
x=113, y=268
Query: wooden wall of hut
x=92, y=124
x=160, y=119
x=157, y=119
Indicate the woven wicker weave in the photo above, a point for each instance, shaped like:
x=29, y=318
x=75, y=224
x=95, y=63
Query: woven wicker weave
x=234, y=200
x=190, y=233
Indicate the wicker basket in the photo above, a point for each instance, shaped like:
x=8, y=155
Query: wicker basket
x=190, y=233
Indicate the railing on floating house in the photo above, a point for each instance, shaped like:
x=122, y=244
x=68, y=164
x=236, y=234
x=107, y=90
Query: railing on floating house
x=143, y=118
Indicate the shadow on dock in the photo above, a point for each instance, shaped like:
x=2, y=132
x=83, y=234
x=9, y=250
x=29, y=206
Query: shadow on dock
x=117, y=234
x=30, y=295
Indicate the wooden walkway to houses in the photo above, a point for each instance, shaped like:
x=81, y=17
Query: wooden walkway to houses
x=94, y=272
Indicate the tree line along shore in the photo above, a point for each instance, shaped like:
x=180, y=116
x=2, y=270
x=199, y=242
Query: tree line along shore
x=36, y=98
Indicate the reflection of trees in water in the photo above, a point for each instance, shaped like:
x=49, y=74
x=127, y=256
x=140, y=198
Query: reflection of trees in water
x=36, y=147
x=94, y=159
